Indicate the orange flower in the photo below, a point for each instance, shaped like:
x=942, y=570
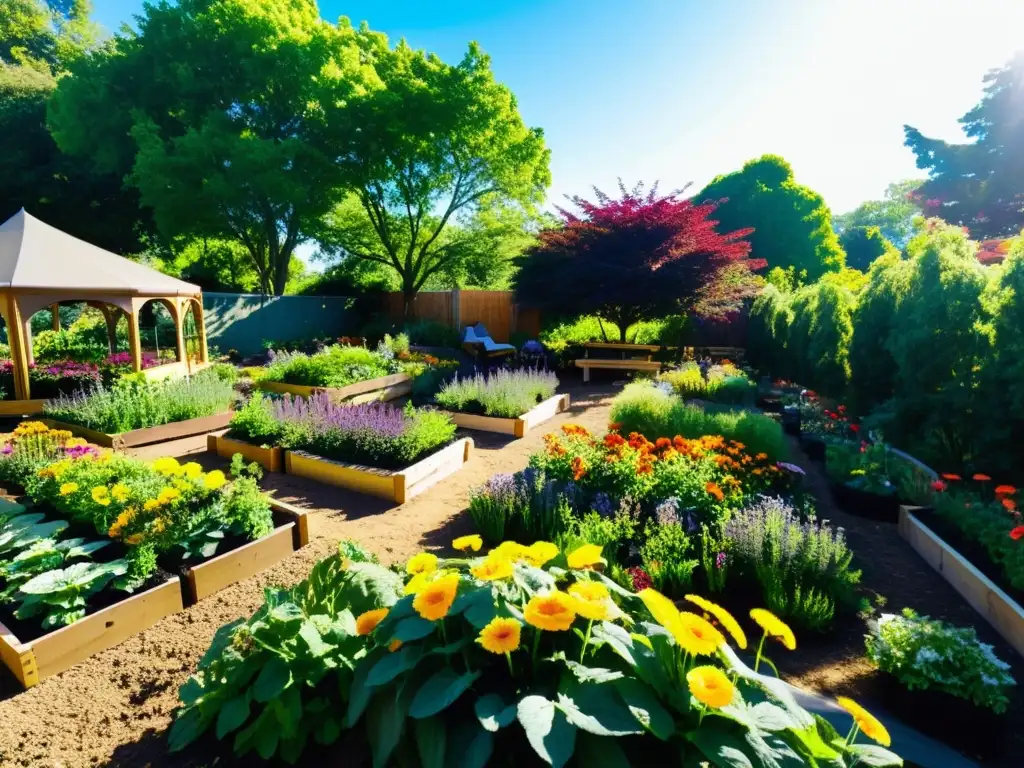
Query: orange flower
x=645, y=465
x=615, y=426
x=575, y=429
x=1017, y=533
x=1009, y=505
x=715, y=491
x=613, y=440
x=951, y=477
x=981, y=478
x=1005, y=490
x=579, y=467
x=662, y=443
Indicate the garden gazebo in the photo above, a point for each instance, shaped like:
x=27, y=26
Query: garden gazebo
x=40, y=266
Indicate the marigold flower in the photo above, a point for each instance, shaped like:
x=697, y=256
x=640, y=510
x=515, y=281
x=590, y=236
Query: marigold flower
x=501, y=635
x=1017, y=533
x=553, y=612
x=166, y=465
x=435, y=599
x=938, y=485
x=855, y=428
x=579, y=467
x=575, y=429
x=586, y=556
x=367, y=622
x=424, y=562
x=614, y=426
x=613, y=440
x=1009, y=505
x=68, y=488
x=135, y=538
x=214, y=480
x=120, y=492
x=761, y=456
x=150, y=505
x=492, y=569
x=591, y=600
x=1005, y=490
x=981, y=478
x=774, y=627
x=951, y=477
x=710, y=686
x=697, y=636
x=715, y=491
x=868, y=723
x=472, y=541
x=540, y=552
x=101, y=495
x=723, y=617
x=167, y=495
x=192, y=470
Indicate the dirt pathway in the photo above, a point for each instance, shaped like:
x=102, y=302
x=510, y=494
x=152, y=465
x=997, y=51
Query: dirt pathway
x=115, y=707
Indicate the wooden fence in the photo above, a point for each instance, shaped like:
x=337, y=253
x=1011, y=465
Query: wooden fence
x=457, y=309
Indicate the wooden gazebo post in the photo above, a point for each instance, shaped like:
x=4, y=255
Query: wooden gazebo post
x=19, y=348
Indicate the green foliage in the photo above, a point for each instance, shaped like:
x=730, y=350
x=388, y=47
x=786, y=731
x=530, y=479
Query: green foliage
x=895, y=216
x=928, y=654
x=667, y=556
x=526, y=506
x=984, y=521
x=792, y=225
x=642, y=407
x=254, y=422
x=59, y=596
x=129, y=405
x=335, y=366
x=613, y=533
x=503, y=394
x=863, y=245
x=724, y=384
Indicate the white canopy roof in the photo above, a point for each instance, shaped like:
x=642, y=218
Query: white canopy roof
x=34, y=255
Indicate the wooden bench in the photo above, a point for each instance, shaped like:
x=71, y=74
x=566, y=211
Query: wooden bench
x=650, y=366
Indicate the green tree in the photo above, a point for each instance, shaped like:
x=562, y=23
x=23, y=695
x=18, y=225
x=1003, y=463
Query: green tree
x=768, y=332
x=792, y=225
x=980, y=184
x=863, y=245
x=238, y=153
x=438, y=145
x=894, y=215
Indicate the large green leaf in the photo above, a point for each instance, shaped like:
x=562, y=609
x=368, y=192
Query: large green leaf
x=585, y=674
x=721, y=745
x=430, y=741
x=644, y=705
x=273, y=679
x=75, y=548
x=874, y=756
x=393, y=664
x=186, y=729
x=597, y=709
x=286, y=613
x=440, y=691
x=493, y=713
x=385, y=720
x=533, y=580
x=232, y=715
x=777, y=688
x=413, y=628
x=469, y=746
x=547, y=730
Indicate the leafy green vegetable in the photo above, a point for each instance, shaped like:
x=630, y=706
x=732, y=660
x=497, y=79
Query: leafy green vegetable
x=60, y=595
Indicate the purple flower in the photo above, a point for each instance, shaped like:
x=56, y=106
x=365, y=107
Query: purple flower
x=720, y=560
x=8, y=449
x=602, y=504
x=320, y=415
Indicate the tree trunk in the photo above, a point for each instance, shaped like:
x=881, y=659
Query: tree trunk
x=623, y=325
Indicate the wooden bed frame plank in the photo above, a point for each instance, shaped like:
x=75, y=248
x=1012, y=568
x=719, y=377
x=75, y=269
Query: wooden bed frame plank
x=21, y=407
x=382, y=388
x=224, y=570
x=149, y=435
x=271, y=459
x=518, y=426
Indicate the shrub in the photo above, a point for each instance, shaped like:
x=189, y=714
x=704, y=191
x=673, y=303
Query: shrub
x=643, y=407
x=130, y=405
x=335, y=366
x=801, y=567
x=667, y=556
x=924, y=653
x=506, y=394
x=53, y=380
x=724, y=383
x=254, y=422
x=470, y=656
x=528, y=506
x=431, y=333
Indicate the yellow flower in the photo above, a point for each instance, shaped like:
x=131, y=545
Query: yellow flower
x=500, y=635
x=723, y=617
x=167, y=495
x=463, y=543
x=68, y=488
x=435, y=599
x=424, y=562
x=492, y=569
x=591, y=600
x=150, y=505
x=662, y=609
x=192, y=470
x=418, y=582
x=368, y=621
x=710, y=686
x=134, y=539
x=697, y=636
x=122, y=520
x=554, y=611
x=586, y=556
x=166, y=465
x=214, y=480
x=774, y=627
x=867, y=722
x=101, y=495
x=510, y=550
x=540, y=552
x=120, y=492
x=160, y=525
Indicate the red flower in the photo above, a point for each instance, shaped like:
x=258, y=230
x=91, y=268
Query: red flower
x=1009, y=505
x=951, y=477
x=614, y=426
x=855, y=428
x=832, y=415
x=981, y=478
x=1017, y=533
x=842, y=409
x=939, y=486
x=1005, y=490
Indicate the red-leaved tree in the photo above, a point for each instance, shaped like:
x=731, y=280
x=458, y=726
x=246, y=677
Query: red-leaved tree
x=641, y=256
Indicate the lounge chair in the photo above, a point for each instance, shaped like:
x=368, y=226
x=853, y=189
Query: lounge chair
x=477, y=341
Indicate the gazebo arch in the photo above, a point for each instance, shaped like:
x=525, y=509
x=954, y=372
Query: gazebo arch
x=41, y=266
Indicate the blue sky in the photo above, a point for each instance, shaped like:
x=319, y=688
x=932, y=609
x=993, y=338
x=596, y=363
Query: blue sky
x=679, y=91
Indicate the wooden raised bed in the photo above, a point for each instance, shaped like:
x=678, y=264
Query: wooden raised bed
x=394, y=485
x=45, y=656
x=518, y=426
x=21, y=407
x=998, y=608
x=382, y=388
x=224, y=570
x=271, y=459
x=149, y=435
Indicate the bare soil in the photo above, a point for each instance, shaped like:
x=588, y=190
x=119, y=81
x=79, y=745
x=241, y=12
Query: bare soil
x=115, y=708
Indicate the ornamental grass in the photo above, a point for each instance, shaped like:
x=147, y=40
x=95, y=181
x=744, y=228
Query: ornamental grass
x=504, y=394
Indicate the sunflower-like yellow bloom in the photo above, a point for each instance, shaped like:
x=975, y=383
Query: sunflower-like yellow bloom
x=150, y=505
x=368, y=621
x=554, y=612
x=662, y=609
x=591, y=600
x=120, y=492
x=501, y=635
x=774, y=627
x=697, y=636
x=540, y=552
x=214, y=480
x=101, y=495
x=492, y=569
x=464, y=543
x=424, y=562
x=167, y=495
x=512, y=551
x=723, y=617
x=867, y=722
x=435, y=599
x=710, y=686
x=418, y=582
x=586, y=556
x=68, y=488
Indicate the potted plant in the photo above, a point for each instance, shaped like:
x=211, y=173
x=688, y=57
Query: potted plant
x=861, y=483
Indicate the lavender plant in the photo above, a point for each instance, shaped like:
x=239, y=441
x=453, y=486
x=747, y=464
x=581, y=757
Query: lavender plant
x=526, y=506
x=802, y=566
x=505, y=394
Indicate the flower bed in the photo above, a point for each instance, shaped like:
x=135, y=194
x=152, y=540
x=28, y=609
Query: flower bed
x=724, y=383
x=509, y=402
x=466, y=656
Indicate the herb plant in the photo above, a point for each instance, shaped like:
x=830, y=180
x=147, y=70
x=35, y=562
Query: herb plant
x=505, y=394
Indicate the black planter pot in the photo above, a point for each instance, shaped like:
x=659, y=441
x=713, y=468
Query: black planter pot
x=973, y=730
x=872, y=506
x=791, y=422
x=813, y=446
